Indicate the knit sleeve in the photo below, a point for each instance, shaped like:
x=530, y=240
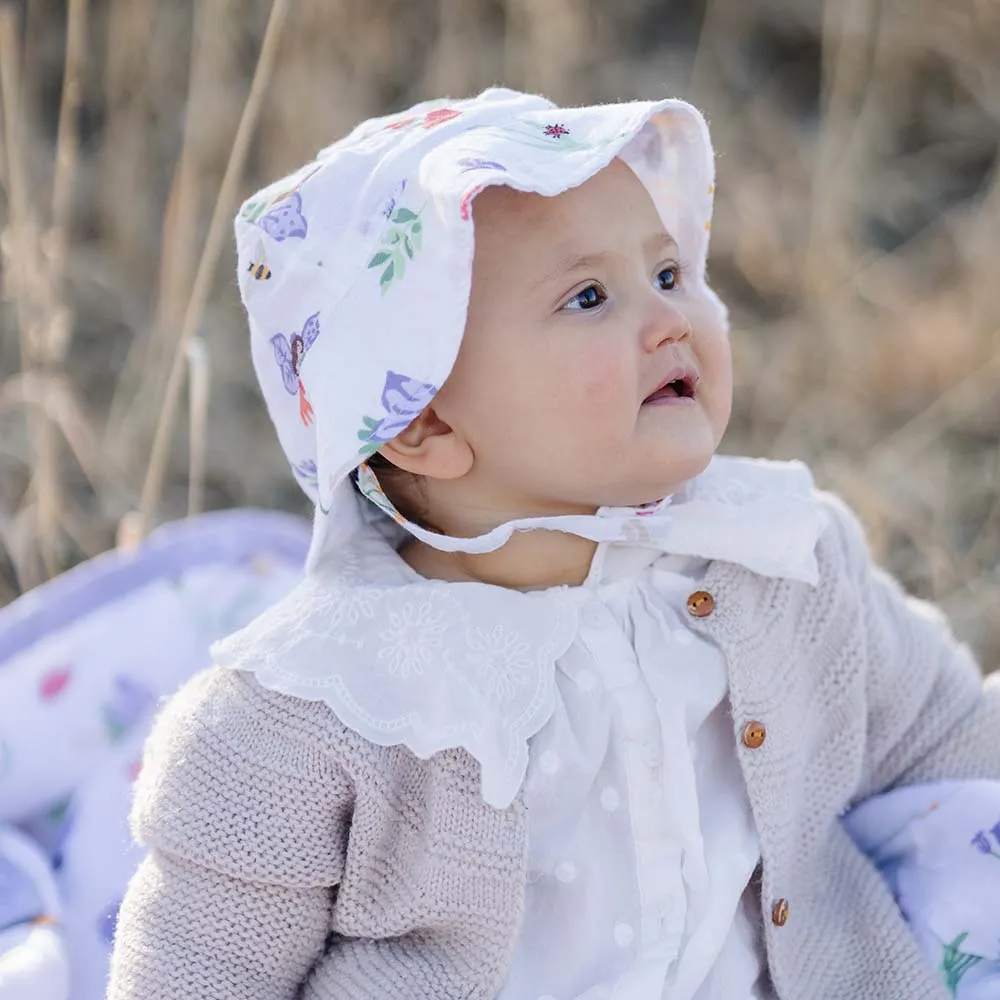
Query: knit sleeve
x=931, y=715
x=245, y=812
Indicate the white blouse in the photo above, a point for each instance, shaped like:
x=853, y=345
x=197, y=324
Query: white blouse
x=641, y=840
x=599, y=701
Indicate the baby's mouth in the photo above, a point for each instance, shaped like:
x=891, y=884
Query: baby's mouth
x=677, y=385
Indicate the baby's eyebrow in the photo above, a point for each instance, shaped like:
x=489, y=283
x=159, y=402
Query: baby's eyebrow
x=661, y=242
x=573, y=262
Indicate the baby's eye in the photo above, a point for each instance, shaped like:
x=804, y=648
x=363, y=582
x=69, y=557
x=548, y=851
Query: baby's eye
x=669, y=278
x=588, y=298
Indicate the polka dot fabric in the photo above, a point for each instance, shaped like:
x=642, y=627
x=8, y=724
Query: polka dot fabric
x=641, y=842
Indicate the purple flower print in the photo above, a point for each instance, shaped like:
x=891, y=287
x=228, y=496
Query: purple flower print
x=403, y=399
x=285, y=219
x=982, y=843
x=306, y=471
x=475, y=163
x=390, y=204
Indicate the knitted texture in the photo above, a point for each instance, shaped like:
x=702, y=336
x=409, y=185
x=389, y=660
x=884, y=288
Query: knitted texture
x=289, y=857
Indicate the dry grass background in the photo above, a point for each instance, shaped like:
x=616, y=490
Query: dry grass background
x=857, y=239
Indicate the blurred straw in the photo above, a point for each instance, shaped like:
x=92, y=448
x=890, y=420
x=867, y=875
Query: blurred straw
x=51, y=395
x=9, y=83
x=148, y=355
x=22, y=264
x=899, y=448
x=846, y=69
x=134, y=33
x=224, y=205
x=38, y=267
x=199, y=378
x=67, y=140
x=58, y=327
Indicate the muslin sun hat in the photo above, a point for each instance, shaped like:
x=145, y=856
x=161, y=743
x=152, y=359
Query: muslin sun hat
x=355, y=273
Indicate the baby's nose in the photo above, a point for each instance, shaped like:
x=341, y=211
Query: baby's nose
x=666, y=324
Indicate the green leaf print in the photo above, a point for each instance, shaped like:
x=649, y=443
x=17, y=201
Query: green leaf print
x=387, y=276
x=252, y=210
x=368, y=446
x=402, y=240
x=955, y=963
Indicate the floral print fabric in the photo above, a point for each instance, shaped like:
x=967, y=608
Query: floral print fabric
x=938, y=847
x=84, y=663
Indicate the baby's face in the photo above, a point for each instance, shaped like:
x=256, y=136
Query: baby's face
x=579, y=315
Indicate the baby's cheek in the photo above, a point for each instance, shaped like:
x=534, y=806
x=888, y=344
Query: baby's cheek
x=605, y=378
x=605, y=395
x=721, y=383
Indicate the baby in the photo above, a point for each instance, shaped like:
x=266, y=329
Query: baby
x=566, y=707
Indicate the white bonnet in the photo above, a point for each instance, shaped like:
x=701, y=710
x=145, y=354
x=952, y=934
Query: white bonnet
x=355, y=270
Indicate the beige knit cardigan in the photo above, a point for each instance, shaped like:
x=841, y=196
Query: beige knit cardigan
x=291, y=858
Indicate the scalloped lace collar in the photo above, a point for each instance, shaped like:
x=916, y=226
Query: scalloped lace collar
x=433, y=665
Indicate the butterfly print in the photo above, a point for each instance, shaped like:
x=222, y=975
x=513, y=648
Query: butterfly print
x=285, y=219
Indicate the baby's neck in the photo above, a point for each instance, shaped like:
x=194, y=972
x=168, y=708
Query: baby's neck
x=530, y=560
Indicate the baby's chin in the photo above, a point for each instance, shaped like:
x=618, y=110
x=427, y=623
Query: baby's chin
x=660, y=480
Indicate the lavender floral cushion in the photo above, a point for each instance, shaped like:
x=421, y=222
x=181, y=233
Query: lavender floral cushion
x=938, y=847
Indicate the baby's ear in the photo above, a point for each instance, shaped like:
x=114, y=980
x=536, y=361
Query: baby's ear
x=429, y=447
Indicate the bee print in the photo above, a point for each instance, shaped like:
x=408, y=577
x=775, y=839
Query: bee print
x=288, y=353
x=257, y=270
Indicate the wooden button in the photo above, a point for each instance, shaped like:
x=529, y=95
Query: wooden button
x=779, y=914
x=754, y=734
x=701, y=604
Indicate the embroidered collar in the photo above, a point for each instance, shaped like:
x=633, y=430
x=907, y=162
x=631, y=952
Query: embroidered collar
x=433, y=665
